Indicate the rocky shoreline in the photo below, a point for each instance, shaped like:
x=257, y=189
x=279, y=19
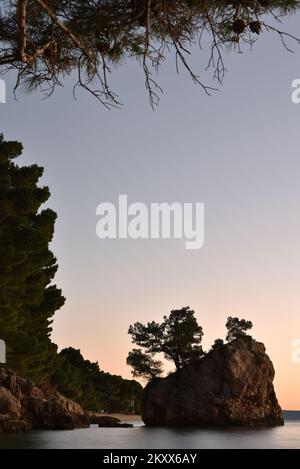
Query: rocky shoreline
x=231, y=386
x=24, y=406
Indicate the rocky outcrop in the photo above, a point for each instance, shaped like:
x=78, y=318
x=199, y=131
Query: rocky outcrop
x=231, y=385
x=107, y=421
x=25, y=406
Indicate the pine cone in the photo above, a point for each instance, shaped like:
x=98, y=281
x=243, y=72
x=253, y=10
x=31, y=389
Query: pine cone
x=239, y=26
x=255, y=27
x=103, y=47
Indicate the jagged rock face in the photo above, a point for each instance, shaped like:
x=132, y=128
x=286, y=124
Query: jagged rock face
x=232, y=385
x=25, y=406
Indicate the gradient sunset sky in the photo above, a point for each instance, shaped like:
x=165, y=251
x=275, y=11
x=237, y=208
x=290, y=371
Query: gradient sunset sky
x=237, y=151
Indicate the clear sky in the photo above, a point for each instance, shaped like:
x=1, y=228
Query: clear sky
x=237, y=151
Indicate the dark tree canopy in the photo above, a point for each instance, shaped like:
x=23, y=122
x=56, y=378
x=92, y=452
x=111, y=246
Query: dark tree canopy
x=143, y=365
x=84, y=382
x=218, y=343
x=236, y=328
x=178, y=337
x=28, y=299
x=45, y=40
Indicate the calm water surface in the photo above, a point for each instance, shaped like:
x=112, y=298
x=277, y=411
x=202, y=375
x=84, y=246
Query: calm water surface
x=169, y=438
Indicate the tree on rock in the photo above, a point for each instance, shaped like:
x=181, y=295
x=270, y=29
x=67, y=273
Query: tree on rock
x=218, y=344
x=236, y=328
x=178, y=337
x=143, y=365
x=28, y=299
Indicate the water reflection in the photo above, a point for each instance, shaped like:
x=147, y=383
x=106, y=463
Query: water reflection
x=154, y=437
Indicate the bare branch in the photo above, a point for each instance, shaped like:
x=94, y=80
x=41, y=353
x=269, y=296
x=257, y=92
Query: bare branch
x=22, y=7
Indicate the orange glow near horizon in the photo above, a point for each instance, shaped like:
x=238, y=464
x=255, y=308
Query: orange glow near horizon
x=104, y=337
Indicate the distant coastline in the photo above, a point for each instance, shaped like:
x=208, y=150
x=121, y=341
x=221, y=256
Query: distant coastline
x=123, y=417
x=291, y=414
x=287, y=415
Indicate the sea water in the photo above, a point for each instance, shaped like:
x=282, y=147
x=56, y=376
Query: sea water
x=287, y=436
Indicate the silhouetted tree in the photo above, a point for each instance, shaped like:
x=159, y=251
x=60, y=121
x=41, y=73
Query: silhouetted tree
x=144, y=366
x=178, y=337
x=218, y=343
x=236, y=328
x=28, y=299
x=45, y=40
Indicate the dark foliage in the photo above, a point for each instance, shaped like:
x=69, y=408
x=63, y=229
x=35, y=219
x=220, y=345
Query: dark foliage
x=178, y=337
x=45, y=40
x=28, y=299
x=84, y=382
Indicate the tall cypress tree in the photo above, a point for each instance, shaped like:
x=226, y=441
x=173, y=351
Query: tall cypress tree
x=28, y=299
